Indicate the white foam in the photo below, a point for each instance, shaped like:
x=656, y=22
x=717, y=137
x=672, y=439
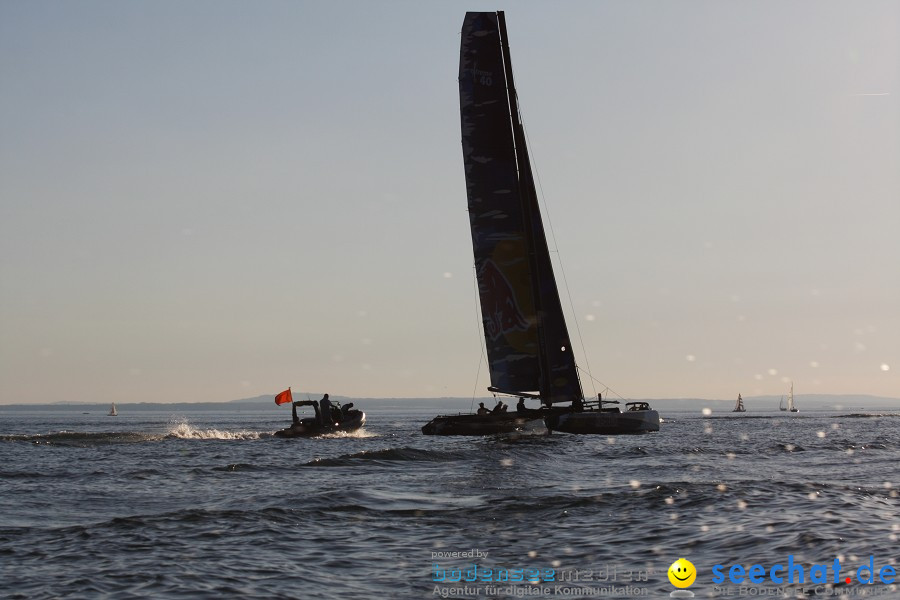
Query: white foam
x=359, y=433
x=185, y=431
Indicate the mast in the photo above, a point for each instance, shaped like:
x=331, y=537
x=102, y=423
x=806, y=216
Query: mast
x=526, y=195
x=559, y=375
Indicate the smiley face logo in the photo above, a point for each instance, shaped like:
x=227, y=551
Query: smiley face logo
x=682, y=573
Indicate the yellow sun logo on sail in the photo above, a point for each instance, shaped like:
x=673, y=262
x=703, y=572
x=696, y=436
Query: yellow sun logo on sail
x=682, y=573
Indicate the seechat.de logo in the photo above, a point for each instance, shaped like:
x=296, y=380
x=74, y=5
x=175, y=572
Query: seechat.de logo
x=792, y=572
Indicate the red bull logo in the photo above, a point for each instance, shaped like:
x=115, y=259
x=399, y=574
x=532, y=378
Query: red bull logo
x=502, y=314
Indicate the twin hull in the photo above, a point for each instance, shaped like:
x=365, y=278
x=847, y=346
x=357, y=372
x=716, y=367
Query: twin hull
x=587, y=422
x=481, y=424
x=605, y=423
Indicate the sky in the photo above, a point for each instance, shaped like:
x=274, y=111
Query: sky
x=212, y=200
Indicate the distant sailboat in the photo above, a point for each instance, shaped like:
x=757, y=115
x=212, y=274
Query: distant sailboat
x=739, y=406
x=112, y=410
x=790, y=404
x=527, y=342
x=781, y=405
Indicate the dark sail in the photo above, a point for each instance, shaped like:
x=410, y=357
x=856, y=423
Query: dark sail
x=525, y=332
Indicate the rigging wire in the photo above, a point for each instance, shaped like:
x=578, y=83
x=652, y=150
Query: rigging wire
x=606, y=388
x=478, y=325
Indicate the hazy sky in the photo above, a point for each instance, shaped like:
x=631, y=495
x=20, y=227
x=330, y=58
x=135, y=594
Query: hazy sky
x=204, y=201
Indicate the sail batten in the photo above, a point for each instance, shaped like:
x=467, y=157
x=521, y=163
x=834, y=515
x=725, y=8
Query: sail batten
x=525, y=332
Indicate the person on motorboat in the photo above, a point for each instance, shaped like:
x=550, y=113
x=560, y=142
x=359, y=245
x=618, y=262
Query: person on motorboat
x=325, y=411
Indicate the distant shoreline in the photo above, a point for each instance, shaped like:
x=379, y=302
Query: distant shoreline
x=757, y=405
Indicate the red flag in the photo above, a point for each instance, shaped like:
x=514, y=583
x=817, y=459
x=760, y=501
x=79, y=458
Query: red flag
x=284, y=397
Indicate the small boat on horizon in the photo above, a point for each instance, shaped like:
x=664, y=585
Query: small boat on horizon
x=112, y=411
x=739, y=406
x=790, y=404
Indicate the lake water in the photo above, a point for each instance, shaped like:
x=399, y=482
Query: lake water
x=205, y=504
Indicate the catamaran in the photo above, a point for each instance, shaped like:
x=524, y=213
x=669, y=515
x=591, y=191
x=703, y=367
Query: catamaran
x=527, y=342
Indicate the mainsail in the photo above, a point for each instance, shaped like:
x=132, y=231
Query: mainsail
x=524, y=328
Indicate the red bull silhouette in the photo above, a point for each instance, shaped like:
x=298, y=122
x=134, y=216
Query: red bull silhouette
x=501, y=312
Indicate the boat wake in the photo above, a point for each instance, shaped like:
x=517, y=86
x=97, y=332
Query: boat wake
x=358, y=433
x=185, y=431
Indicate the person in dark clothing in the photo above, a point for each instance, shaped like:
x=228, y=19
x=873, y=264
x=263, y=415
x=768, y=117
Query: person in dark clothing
x=482, y=410
x=325, y=411
x=520, y=406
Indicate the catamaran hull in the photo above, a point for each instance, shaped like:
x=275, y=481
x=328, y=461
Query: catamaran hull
x=481, y=424
x=352, y=423
x=604, y=423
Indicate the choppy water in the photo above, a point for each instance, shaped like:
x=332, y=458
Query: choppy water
x=201, y=505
